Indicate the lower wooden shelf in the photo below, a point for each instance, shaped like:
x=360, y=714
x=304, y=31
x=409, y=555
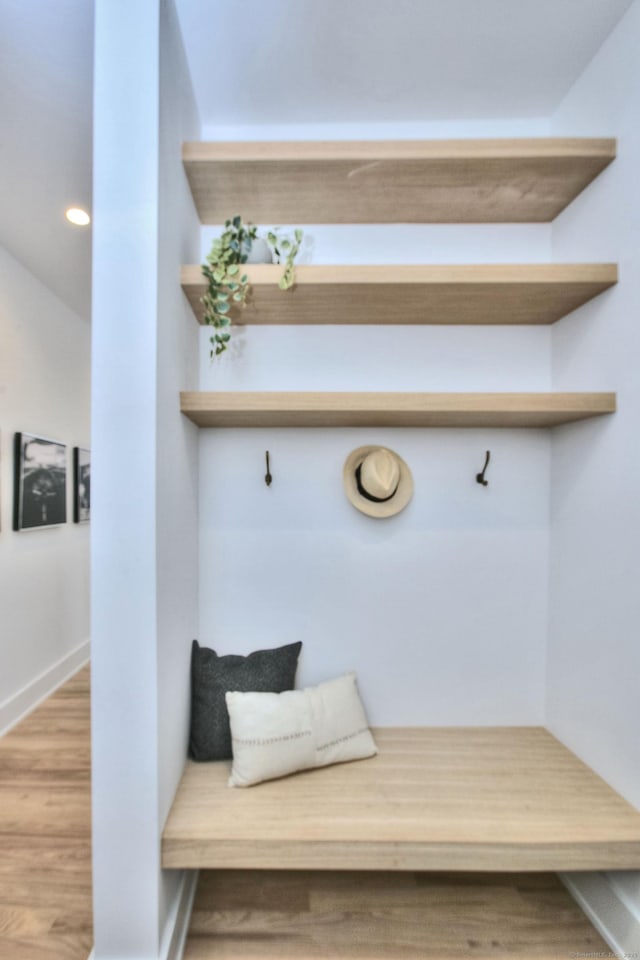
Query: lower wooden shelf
x=294, y=409
x=434, y=798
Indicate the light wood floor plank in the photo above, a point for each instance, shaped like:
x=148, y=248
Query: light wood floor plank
x=66, y=946
x=45, y=876
x=45, y=830
x=385, y=916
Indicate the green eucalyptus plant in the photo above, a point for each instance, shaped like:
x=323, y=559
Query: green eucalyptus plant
x=286, y=251
x=228, y=286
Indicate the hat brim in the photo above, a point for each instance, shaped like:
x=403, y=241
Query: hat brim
x=389, y=508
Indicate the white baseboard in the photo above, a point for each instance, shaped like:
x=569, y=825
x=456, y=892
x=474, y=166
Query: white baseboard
x=177, y=925
x=24, y=701
x=615, y=919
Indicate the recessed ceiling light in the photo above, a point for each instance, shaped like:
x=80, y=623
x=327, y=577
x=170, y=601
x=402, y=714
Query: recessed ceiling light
x=80, y=217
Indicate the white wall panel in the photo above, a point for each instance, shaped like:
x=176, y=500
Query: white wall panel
x=44, y=573
x=441, y=610
x=594, y=655
x=144, y=584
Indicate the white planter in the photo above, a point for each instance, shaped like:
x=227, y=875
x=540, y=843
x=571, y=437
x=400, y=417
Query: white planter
x=260, y=252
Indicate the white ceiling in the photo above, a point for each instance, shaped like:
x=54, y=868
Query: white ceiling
x=361, y=61
x=46, y=65
x=270, y=62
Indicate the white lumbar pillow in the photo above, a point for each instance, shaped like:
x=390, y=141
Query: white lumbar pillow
x=273, y=734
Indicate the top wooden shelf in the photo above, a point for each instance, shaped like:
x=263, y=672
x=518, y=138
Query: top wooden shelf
x=402, y=181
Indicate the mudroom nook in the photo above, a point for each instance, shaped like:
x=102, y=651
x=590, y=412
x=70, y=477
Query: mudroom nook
x=463, y=294
x=483, y=799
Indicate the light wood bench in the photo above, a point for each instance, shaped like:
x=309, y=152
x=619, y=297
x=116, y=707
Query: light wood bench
x=486, y=799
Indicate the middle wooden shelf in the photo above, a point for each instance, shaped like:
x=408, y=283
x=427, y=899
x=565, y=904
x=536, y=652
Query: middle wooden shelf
x=536, y=293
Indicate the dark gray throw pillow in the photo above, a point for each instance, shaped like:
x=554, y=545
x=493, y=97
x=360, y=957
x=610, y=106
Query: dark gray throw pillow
x=264, y=671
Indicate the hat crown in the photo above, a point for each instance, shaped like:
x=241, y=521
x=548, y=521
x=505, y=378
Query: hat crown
x=380, y=473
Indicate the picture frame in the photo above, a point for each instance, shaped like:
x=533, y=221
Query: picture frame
x=40, y=482
x=81, y=485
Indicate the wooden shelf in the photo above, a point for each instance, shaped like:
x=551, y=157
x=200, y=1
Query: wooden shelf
x=429, y=294
x=405, y=181
x=279, y=409
x=434, y=798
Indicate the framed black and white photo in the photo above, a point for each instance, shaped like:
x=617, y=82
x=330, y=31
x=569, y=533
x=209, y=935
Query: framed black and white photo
x=40, y=492
x=81, y=485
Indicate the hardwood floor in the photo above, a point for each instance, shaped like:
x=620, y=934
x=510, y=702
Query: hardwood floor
x=286, y=915
x=45, y=830
x=45, y=882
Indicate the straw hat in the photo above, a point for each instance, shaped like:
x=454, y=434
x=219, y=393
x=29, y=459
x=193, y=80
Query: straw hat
x=377, y=481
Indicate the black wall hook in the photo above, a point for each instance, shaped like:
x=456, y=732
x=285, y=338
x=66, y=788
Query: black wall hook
x=267, y=477
x=480, y=476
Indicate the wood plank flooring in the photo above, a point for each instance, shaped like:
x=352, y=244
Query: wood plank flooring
x=45, y=882
x=45, y=830
x=262, y=915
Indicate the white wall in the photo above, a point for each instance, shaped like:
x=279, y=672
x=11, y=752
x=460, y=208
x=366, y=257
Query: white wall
x=44, y=574
x=124, y=691
x=441, y=610
x=594, y=655
x=145, y=489
x=384, y=130
x=177, y=451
